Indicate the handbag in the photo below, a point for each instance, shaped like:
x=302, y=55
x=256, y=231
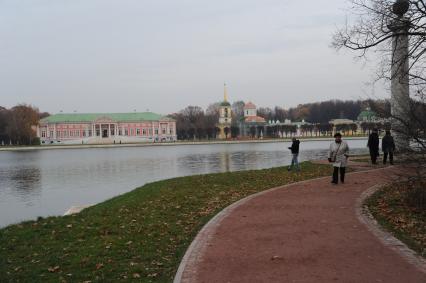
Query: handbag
x=332, y=160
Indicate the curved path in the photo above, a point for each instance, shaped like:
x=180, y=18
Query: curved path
x=305, y=232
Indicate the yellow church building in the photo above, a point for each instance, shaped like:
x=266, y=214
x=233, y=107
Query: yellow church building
x=225, y=117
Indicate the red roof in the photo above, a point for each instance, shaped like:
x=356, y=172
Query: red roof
x=249, y=105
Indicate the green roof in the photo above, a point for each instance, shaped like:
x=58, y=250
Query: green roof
x=225, y=103
x=367, y=114
x=91, y=117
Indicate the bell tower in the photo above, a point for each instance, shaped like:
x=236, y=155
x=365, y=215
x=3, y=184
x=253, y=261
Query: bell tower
x=225, y=117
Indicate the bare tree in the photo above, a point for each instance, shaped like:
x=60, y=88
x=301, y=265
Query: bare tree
x=238, y=111
x=387, y=27
x=370, y=28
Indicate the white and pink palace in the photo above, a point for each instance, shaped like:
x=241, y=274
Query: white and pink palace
x=106, y=128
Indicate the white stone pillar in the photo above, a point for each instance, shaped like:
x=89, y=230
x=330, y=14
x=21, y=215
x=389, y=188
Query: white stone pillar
x=400, y=88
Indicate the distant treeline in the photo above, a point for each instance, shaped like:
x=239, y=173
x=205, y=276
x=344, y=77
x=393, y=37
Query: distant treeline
x=17, y=125
x=195, y=123
x=323, y=112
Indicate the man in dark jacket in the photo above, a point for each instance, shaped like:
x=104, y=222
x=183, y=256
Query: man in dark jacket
x=373, y=145
x=388, y=147
x=295, y=154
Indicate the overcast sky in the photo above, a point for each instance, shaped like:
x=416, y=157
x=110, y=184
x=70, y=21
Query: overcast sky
x=162, y=55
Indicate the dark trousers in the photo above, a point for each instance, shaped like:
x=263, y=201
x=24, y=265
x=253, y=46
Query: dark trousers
x=385, y=157
x=336, y=174
x=373, y=155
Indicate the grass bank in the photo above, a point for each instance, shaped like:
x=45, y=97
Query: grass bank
x=396, y=208
x=140, y=236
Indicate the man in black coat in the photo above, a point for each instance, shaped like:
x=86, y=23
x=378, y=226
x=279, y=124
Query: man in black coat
x=373, y=145
x=388, y=147
x=295, y=154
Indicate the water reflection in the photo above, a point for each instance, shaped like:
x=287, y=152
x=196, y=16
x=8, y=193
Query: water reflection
x=27, y=181
x=41, y=183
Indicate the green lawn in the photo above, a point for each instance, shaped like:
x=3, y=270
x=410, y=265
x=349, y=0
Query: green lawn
x=392, y=207
x=140, y=236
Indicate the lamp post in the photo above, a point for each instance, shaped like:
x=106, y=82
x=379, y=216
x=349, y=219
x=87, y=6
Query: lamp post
x=400, y=89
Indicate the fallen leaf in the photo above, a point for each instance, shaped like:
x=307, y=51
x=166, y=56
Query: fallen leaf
x=53, y=269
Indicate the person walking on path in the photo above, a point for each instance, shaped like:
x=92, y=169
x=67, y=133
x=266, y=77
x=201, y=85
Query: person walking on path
x=373, y=145
x=388, y=147
x=295, y=154
x=339, y=153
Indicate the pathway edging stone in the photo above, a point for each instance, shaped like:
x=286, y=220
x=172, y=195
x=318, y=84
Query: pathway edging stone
x=364, y=215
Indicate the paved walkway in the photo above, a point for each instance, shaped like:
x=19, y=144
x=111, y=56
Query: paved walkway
x=306, y=232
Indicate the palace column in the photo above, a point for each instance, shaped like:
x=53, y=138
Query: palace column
x=153, y=130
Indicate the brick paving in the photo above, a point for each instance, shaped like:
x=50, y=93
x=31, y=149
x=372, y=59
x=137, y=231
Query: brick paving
x=305, y=232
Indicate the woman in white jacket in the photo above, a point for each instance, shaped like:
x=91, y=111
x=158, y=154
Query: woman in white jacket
x=339, y=153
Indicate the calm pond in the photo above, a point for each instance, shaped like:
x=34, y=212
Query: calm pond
x=48, y=182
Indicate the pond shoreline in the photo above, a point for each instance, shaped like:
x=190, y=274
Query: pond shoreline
x=85, y=146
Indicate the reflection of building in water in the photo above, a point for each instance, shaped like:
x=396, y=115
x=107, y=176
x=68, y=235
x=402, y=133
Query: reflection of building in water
x=225, y=163
x=225, y=117
x=106, y=128
x=26, y=181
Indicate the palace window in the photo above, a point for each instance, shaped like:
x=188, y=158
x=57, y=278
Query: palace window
x=51, y=134
x=156, y=131
x=58, y=134
x=171, y=132
x=89, y=133
x=77, y=133
x=43, y=134
x=132, y=132
x=119, y=131
x=164, y=131
x=126, y=132
x=138, y=131
x=144, y=132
